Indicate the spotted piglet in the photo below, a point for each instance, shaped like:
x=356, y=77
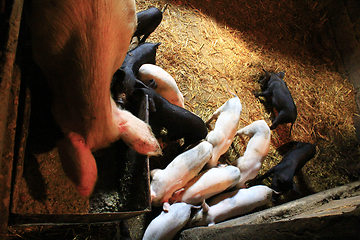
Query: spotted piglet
x=170, y=221
x=207, y=184
x=178, y=173
x=256, y=151
x=228, y=116
x=231, y=204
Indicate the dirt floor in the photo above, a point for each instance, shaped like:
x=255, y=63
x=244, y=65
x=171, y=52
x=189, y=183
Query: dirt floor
x=209, y=46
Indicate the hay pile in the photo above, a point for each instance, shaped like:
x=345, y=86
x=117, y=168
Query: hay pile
x=209, y=46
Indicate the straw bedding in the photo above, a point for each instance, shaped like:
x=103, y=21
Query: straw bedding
x=209, y=46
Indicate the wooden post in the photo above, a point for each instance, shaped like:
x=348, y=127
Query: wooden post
x=9, y=90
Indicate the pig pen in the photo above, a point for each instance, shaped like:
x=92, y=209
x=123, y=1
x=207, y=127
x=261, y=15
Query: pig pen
x=209, y=46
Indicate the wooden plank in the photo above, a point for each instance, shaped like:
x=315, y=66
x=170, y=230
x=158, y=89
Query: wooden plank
x=69, y=219
x=9, y=90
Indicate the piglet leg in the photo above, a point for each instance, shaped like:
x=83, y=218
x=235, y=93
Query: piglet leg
x=280, y=119
x=214, y=116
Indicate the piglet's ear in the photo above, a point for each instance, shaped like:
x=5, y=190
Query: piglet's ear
x=152, y=106
x=166, y=206
x=281, y=74
x=205, y=207
x=152, y=172
x=267, y=74
x=118, y=77
x=296, y=189
x=152, y=196
x=178, y=193
x=153, y=84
